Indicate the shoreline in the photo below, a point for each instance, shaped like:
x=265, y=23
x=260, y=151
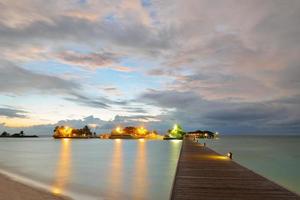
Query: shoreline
x=10, y=188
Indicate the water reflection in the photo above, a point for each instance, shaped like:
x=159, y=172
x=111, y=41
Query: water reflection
x=62, y=173
x=140, y=182
x=116, y=174
x=174, y=154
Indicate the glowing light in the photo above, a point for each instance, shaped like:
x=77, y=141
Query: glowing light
x=229, y=154
x=118, y=140
x=142, y=140
x=64, y=131
x=176, y=132
x=175, y=141
x=56, y=190
x=141, y=130
x=119, y=130
x=175, y=127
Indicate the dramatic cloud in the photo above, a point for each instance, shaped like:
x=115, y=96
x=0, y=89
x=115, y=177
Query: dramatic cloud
x=17, y=80
x=12, y=113
x=223, y=65
x=228, y=116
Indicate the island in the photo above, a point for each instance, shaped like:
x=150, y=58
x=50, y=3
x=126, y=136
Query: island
x=177, y=133
x=69, y=132
x=132, y=132
x=17, y=135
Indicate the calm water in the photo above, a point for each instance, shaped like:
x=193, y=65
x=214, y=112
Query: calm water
x=133, y=169
x=94, y=169
x=277, y=158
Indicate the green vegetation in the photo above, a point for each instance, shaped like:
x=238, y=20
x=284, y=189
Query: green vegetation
x=21, y=134
x=66, y=131
x=176, y=132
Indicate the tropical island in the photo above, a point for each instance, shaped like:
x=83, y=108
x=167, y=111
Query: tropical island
x=131, y=132
x=178, y=133
x=68, y=132
x=17, y=135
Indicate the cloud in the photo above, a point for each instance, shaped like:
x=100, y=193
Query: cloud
x=87, y=101
x=111, y=90
x=194, y=112
x=17, y=80
x=245, y=112
x=218, y=61
x=12, y=113
x=92, y=60
x=126, y=34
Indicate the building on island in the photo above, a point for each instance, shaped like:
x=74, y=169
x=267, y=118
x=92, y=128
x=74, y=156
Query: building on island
x=202, y=134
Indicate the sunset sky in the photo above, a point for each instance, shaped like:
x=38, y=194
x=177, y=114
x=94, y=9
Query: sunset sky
x=231, y=66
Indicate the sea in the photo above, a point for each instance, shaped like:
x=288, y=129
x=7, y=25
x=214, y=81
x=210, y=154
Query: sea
x=92, y=168
x=135, y=169
x=274, y=157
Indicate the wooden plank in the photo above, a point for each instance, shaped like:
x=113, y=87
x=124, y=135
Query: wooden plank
x=204, y=174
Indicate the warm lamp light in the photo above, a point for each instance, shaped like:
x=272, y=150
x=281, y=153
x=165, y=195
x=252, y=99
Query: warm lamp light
x=229, y=155
x=141, y=130
x=119, y=130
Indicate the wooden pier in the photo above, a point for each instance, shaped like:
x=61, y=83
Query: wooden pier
x=204, y=174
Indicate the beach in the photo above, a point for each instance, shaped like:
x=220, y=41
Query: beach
x=10, y=189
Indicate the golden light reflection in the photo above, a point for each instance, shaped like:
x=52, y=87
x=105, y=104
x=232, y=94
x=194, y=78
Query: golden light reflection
x=116, y=170
x=118, y=140
x=175, y=146
x=140, y=182
x=218, y=157
x=62, y=174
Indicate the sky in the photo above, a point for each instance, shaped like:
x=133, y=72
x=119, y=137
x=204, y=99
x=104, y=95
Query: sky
x=230, y=66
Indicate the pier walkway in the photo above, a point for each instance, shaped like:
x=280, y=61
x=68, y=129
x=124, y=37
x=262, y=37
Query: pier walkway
x=204, y=174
